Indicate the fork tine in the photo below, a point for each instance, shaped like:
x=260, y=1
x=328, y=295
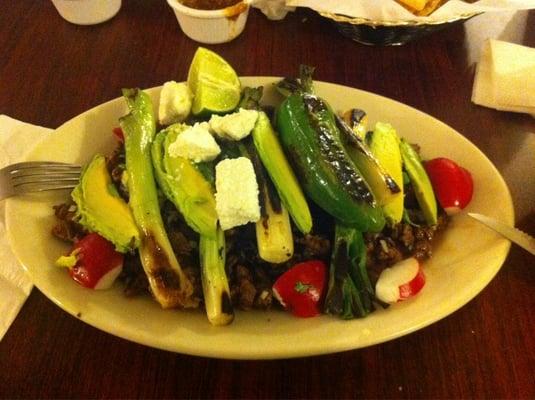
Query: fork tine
x=37, y=176
x=43, y=187
x=43, y=175
x=47, y=180
x=29, y=165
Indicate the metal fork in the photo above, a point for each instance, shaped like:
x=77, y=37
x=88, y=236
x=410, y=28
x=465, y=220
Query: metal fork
x=37, y=176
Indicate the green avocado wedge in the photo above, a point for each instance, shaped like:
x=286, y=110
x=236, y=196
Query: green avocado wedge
x=102, y=210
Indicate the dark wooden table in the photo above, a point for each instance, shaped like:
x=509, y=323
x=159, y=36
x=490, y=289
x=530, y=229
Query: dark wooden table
x=51, y=71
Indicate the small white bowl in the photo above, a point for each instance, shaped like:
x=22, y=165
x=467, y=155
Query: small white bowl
x=211, y=26
x=87, y=12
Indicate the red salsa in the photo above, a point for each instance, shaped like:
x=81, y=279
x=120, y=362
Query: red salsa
x=209, y=4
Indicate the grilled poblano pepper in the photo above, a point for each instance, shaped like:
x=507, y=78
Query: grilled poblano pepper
x=311, y=140
x=169, y=284
x=350, y=292
x=383, y=186
x=183, y=184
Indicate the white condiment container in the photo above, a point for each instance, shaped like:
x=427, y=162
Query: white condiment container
x=87, y=12
x=211, y=26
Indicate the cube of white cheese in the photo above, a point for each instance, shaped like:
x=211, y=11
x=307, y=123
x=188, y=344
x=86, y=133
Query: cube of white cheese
x=195, y=143
x=236, y=193
x=234, y=126
x=175, y=103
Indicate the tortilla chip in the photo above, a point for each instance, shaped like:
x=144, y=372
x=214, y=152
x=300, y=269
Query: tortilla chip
x=421, y=8
x=414, y=4
x=430, y=7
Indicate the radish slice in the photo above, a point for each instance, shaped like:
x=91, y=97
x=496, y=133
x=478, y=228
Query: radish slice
x=453, y=184
x=300, y=289
x=401, y=281
x=93, y=263
x=106, y=280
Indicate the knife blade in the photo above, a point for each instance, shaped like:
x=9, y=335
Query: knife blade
x=513, y=234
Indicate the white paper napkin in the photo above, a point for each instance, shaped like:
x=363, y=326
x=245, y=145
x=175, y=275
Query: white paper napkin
x=16, y=139
x=273, y=9
x=505, y=77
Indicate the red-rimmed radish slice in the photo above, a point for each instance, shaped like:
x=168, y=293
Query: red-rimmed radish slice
x=453, y=184
x=401, y=281
x=413, y=287
x=300, y=289
x=93, y=262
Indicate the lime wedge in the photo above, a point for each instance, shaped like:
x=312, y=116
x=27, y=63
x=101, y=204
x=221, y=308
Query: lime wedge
x=214, y=84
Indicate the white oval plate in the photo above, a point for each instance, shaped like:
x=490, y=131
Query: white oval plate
x=465, y=258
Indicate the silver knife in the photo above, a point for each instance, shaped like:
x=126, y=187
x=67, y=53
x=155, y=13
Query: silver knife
x=514, y=235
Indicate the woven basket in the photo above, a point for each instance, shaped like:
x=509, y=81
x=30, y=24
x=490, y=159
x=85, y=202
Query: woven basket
x=389, y=33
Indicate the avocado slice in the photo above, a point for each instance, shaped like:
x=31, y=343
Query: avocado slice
x=384, y=144
x=183, y=184
x=420, y=182
x=102, y=210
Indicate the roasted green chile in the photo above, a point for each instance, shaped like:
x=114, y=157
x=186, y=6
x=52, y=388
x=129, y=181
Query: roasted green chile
x=350, y=293
x=312, y=142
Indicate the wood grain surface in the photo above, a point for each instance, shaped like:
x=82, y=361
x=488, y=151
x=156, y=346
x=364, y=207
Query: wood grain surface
x=51, y=70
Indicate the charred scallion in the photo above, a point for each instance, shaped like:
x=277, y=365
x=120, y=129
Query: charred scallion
x=215, y=285
x=169, y=284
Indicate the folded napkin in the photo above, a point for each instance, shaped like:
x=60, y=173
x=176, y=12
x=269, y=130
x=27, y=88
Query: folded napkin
x=505, y=77
x=16, y=138
x=273, y=9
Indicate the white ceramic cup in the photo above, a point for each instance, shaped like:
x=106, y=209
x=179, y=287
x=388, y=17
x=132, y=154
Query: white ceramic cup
x=87, y=12
x=211, y=26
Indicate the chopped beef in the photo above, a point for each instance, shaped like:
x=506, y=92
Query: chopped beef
x=136, y=283
x=66, y=228
x=251, y=278
x=263, y=284
x=194, y=276
x=180, y=243
x=401, y=241
x=314, y=246
x=184, y=240
x=133, y=276
x=250, y=288
x=264, y=300
x=116, y=165
x=387, y=252
x=405, y=234
x=241, y=243
x=243, y=291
